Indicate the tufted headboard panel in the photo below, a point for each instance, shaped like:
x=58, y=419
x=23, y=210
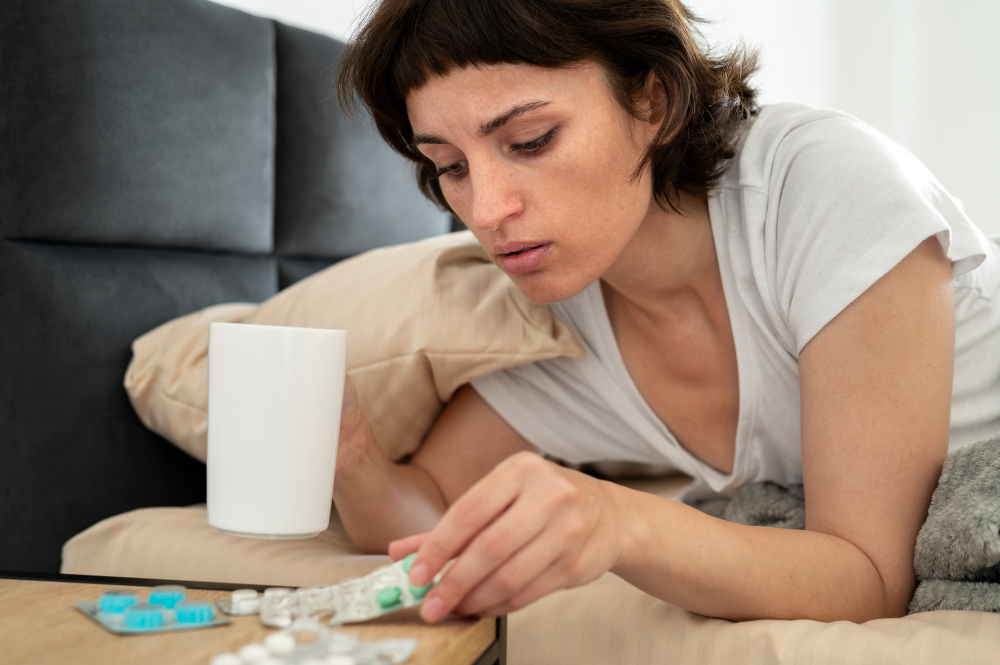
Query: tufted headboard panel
x=156, y=157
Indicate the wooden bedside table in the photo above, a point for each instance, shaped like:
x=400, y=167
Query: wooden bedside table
x=39, y=623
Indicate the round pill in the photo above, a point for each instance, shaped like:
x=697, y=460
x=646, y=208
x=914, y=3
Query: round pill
x=280, y=644
x=193, y=612
x=342, y=643
x=245, y=600
x=420, y=591
x=115, y=602
x=144, y=616
x=167, y=595
x=407, y=562
x=388, y=597
x=276, y=607
x=340, y=659
x=254, y=652
x=226, y=659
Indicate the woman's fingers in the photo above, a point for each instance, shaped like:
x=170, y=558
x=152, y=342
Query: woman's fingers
x=567, y=571
x=512, y=531
x=405, y=546
x=553, y=578
x=520, y=570
x=469, y=515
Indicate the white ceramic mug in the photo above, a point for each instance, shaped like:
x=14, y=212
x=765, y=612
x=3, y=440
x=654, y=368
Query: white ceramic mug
x=274, y=400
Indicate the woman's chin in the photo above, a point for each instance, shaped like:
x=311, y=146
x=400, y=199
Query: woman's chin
x=544, y=289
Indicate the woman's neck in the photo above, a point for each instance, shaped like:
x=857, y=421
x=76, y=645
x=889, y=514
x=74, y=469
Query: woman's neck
x=669, y=268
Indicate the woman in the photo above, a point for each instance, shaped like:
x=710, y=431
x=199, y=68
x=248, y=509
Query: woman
x=779, y=295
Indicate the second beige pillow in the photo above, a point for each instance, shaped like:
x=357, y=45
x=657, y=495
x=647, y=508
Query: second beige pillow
x=424, y=319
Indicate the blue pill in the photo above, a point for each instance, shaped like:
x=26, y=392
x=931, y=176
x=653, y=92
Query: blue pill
x=144, y=616
x=193, y=613
x=115, y=602
x=168, y=596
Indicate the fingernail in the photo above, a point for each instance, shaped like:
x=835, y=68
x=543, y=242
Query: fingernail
x=432, y=609
x=419, y=575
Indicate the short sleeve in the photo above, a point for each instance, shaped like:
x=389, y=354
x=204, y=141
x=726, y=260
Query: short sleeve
x=579, y=410
x=845, y=206
x=567, y=409
x=551, y=405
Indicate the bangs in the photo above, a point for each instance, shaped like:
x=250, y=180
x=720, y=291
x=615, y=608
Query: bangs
x=445, y=34
x=403, y=43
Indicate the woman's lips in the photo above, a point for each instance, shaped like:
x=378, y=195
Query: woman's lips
x=526, y=260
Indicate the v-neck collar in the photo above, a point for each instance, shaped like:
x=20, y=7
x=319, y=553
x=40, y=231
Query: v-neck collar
x=685, y=459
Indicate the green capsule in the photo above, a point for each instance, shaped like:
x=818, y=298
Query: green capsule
x=388, y=597
x=407, y=562
x=420, y=591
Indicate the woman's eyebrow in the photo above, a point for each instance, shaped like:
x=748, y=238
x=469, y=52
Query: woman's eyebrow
x=496, y=123
x=486, y=128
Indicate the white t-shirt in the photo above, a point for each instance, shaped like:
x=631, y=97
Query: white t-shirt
x=815, y=208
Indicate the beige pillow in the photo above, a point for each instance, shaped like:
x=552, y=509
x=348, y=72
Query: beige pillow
x=606, y=621
x=424, y=319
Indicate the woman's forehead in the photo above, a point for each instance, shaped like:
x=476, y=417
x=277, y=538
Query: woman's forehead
x=479, y=93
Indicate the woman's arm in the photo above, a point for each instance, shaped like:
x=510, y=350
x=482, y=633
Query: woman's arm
x=876, y=395
x=380, y=501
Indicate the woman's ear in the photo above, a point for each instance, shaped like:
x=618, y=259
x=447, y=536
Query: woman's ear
x=655, y=105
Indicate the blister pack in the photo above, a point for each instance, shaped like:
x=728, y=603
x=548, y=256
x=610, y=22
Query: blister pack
x=306, y=642
x=166, y=608
x=385, y=590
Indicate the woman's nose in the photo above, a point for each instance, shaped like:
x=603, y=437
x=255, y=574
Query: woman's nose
x=495, y=197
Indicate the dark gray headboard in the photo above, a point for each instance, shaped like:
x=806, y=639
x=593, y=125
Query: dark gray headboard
x=156, y=157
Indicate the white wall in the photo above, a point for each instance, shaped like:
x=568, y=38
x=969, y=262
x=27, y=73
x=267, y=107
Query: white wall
x=922, y=71
x=330, y=17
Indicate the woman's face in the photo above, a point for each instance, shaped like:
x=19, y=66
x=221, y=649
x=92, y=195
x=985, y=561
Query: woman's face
x=538, y=163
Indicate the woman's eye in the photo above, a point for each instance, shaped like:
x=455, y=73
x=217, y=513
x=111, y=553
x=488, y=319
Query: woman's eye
x=534, y=146
x=456, y=170
x=460, y=169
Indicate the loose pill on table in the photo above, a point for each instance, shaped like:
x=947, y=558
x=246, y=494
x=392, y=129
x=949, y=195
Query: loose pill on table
x=280, y=644
x=339, y=659
x=226, y=659
x=341, y=643
x=254, y=652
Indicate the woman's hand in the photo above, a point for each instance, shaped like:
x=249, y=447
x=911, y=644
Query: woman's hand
x=356, y=437
x=528, y=528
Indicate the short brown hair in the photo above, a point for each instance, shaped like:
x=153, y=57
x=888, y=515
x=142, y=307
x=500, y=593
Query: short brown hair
x=404, y=42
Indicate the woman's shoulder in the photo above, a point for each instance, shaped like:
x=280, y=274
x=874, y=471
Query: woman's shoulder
x=822, y=205
x=820, y=143
x=819, y=174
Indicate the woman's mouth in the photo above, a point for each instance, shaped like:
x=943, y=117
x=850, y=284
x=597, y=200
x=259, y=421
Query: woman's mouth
x=524, y=260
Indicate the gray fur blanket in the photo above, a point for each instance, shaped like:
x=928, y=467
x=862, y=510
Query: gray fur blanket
x=957, y=556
